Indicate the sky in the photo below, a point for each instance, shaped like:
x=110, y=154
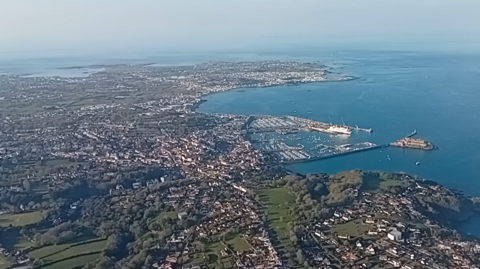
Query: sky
x=76, y=25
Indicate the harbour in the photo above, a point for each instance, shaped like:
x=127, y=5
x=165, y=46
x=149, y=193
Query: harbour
x=283, y=132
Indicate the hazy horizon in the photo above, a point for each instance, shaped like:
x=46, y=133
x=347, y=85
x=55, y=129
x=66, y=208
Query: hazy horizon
x=116, y=26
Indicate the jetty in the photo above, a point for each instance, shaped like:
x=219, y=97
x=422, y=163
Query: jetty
x=412, y=133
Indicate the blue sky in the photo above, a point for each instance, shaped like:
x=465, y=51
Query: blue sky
x=32, y=25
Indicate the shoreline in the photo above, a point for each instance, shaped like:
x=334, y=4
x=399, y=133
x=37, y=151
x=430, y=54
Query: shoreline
x=196, y=105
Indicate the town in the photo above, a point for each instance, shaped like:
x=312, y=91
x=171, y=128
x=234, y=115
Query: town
x=117, y=170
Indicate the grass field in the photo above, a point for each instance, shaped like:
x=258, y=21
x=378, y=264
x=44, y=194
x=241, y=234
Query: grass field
x=12, y=239
x=354, y=228
x=20, y=219
x=277, y=202
x=57, y=252
x=213, y=251
x=73, y=262
x=375, y=184
x=3, y=262
x=57, y=162
x=62, y=256
x=167, y=214
x=238, y=243
x=68, y=252
x=40, y=188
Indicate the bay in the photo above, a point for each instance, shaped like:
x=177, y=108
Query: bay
x=397, y=92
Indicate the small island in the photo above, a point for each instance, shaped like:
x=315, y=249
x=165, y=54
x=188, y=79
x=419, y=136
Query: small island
x=413, y=143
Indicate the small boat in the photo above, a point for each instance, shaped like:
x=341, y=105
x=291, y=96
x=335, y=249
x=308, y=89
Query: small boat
x=417, y=163
x=388, y=157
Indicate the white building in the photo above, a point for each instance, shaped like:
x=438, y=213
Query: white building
x=395, y=235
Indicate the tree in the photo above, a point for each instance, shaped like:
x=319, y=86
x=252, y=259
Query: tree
x=27, y=186
x=366, y=261
x=300, y=257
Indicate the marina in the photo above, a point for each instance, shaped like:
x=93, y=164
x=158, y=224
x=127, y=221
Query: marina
x=324, y=151
x=279, y=138
x=292, y=124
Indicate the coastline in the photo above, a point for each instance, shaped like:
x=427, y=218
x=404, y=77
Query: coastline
x=469, y=221
x=201, y=99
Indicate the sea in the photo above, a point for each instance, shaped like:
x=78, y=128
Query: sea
x=397, y=91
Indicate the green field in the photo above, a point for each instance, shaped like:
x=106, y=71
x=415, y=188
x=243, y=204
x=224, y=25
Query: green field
x=62, y=253
x=3, y=263
x=12, y=239
x=238, y=243
x=354, y=228
x=40, y=188
x=20, y=219
x=73, y=262
x=168, y=214
x=211, y=250
x=57, y=252
x=277, y=203
x=375, y=184
x=235, y=242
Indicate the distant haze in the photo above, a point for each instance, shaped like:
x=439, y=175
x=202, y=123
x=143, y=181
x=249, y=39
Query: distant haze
x=96, y=25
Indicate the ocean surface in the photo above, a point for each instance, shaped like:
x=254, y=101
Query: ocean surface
x=397, y=91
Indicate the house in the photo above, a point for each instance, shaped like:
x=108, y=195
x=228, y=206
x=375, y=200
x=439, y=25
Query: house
x=395, y=235
x=182, y=215
x=395, y=263
x=344, y=236
x=370, y=250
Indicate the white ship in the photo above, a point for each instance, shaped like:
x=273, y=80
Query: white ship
x=340, y=130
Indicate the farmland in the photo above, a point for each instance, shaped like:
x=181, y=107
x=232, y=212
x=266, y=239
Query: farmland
x=354, y=228
x=20, y=219
x=75, y=253
x=277, y=203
